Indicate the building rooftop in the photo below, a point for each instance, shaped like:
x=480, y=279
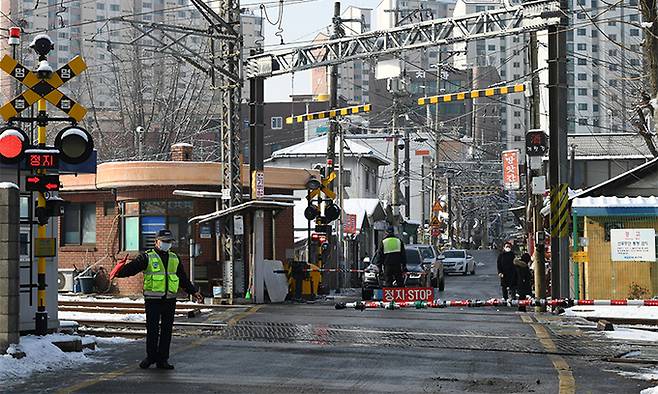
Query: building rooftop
x=601, y=146
x=317, y=147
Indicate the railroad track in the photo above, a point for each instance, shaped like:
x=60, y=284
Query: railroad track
x=140, y=305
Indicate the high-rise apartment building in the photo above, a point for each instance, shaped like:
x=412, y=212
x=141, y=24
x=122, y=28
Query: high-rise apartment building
x=603, y=67
x=128, y=86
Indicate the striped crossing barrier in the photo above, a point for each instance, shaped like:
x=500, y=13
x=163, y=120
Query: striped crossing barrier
x=494, y=302
x=332, y=113
x=355, y=271
x=472, y=94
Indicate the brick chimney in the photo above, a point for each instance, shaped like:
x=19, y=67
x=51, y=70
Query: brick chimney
x=181, y=152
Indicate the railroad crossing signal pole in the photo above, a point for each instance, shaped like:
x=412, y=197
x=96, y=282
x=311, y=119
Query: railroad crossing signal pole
x=41, y=318
x=72, y=145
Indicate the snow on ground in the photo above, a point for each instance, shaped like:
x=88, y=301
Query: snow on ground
x=41, y=355
x=650, y=390
x=614, y=312
x=140, y=317
x=632, y=334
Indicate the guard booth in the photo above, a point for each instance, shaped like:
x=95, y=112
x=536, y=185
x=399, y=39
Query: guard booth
x=618, y=237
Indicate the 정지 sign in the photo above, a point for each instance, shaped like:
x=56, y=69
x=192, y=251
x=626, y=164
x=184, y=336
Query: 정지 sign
x=633, y=244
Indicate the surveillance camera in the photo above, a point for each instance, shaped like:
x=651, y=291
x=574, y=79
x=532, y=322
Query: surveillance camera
x=42, y=44
x=44, y=71
x=140, y=129
x=400, y=144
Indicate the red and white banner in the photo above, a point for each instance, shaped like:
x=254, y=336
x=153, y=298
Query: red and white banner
x=407, y=294
x=511, y=178
x=350, y=224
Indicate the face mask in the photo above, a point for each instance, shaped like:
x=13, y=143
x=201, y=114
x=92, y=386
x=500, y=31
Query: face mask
x=164, y=246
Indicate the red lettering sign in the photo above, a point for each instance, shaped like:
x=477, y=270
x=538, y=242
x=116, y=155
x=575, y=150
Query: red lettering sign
x=407, y=294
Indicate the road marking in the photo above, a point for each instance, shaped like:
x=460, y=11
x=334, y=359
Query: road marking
x=232, y=321
x=122, y=371
x=566, y=381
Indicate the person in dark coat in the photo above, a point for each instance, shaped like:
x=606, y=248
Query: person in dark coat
x=523, y=277
x=506, y=270
x=163, y=276
x=392, y=257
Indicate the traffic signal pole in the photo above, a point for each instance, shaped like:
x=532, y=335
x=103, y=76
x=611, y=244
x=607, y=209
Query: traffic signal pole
x=41, y=318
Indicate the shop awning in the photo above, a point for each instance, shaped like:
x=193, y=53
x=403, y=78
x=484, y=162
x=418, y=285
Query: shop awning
x=615, y=206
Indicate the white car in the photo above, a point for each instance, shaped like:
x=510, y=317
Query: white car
x=457, y=261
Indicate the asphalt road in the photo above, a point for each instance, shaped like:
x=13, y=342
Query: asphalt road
x=315, y=348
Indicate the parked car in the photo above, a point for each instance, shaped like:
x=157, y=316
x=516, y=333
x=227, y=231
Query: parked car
x=457, y=261
x=371, y=279
x=418, y=273
x=431, y=260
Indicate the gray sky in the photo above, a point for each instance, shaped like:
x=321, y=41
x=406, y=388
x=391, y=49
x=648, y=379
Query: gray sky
x=301, y=22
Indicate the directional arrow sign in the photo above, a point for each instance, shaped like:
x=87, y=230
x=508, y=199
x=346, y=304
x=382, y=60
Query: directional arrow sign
x=41, y=183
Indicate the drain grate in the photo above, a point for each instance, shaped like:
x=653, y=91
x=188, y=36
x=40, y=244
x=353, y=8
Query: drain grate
x=336, y=335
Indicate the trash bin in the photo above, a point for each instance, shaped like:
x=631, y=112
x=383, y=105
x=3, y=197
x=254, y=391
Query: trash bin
x=86, y=284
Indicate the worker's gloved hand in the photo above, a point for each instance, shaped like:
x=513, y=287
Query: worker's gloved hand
x=500, y=276
x=118, y=267
x=198, y=297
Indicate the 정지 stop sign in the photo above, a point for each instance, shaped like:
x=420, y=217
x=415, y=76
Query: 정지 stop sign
x=13, y=142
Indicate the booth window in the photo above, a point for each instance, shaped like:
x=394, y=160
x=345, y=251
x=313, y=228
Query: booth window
x=142, y=220
x=79, y=224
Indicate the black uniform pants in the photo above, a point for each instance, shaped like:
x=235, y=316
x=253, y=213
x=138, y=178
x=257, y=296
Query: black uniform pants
x=159, y=324
x=393, y=272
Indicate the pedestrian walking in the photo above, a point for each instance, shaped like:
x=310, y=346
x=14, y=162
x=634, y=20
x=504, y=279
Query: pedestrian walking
x=506, y=271
x=523, y=277
x=163, y=276
x=392, y=258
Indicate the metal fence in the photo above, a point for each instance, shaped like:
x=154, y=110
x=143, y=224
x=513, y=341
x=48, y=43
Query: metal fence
x=611, y=267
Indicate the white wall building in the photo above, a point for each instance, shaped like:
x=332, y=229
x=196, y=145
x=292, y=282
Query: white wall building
x=360, y=168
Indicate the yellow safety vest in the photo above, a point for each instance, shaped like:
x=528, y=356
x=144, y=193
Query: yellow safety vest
x=159, y=282
x=392, y=245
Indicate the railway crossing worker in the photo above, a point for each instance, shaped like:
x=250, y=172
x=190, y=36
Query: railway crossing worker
x=163, y=276
x=392, y=258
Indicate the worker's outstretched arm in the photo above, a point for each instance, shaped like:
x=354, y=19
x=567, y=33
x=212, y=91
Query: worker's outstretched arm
x=135, y=266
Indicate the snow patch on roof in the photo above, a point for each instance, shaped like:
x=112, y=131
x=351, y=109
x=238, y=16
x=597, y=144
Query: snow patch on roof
x=318, y=147
x=8, y=185
x=615, y=202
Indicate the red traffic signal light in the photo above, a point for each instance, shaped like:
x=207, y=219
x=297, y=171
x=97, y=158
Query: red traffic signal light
x=75, y=144
x=13, y=142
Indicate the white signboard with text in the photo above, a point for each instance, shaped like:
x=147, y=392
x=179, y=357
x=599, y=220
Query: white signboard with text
x=633, y=244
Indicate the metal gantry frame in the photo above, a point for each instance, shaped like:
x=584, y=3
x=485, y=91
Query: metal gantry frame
x=526, y=17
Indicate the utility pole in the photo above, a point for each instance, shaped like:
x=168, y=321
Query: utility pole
x=449, y=177
x=333, y=96
x=558, y=172
x=536, y=201
x=407, y=173
x=422, y=197
x=340, y=246
x=396, y=161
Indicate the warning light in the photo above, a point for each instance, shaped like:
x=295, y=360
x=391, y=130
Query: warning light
x=13, y=142
x=14, y=35
x=75, y=144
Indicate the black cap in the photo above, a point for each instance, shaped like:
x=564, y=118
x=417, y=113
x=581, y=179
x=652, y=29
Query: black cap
x=164, y=235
